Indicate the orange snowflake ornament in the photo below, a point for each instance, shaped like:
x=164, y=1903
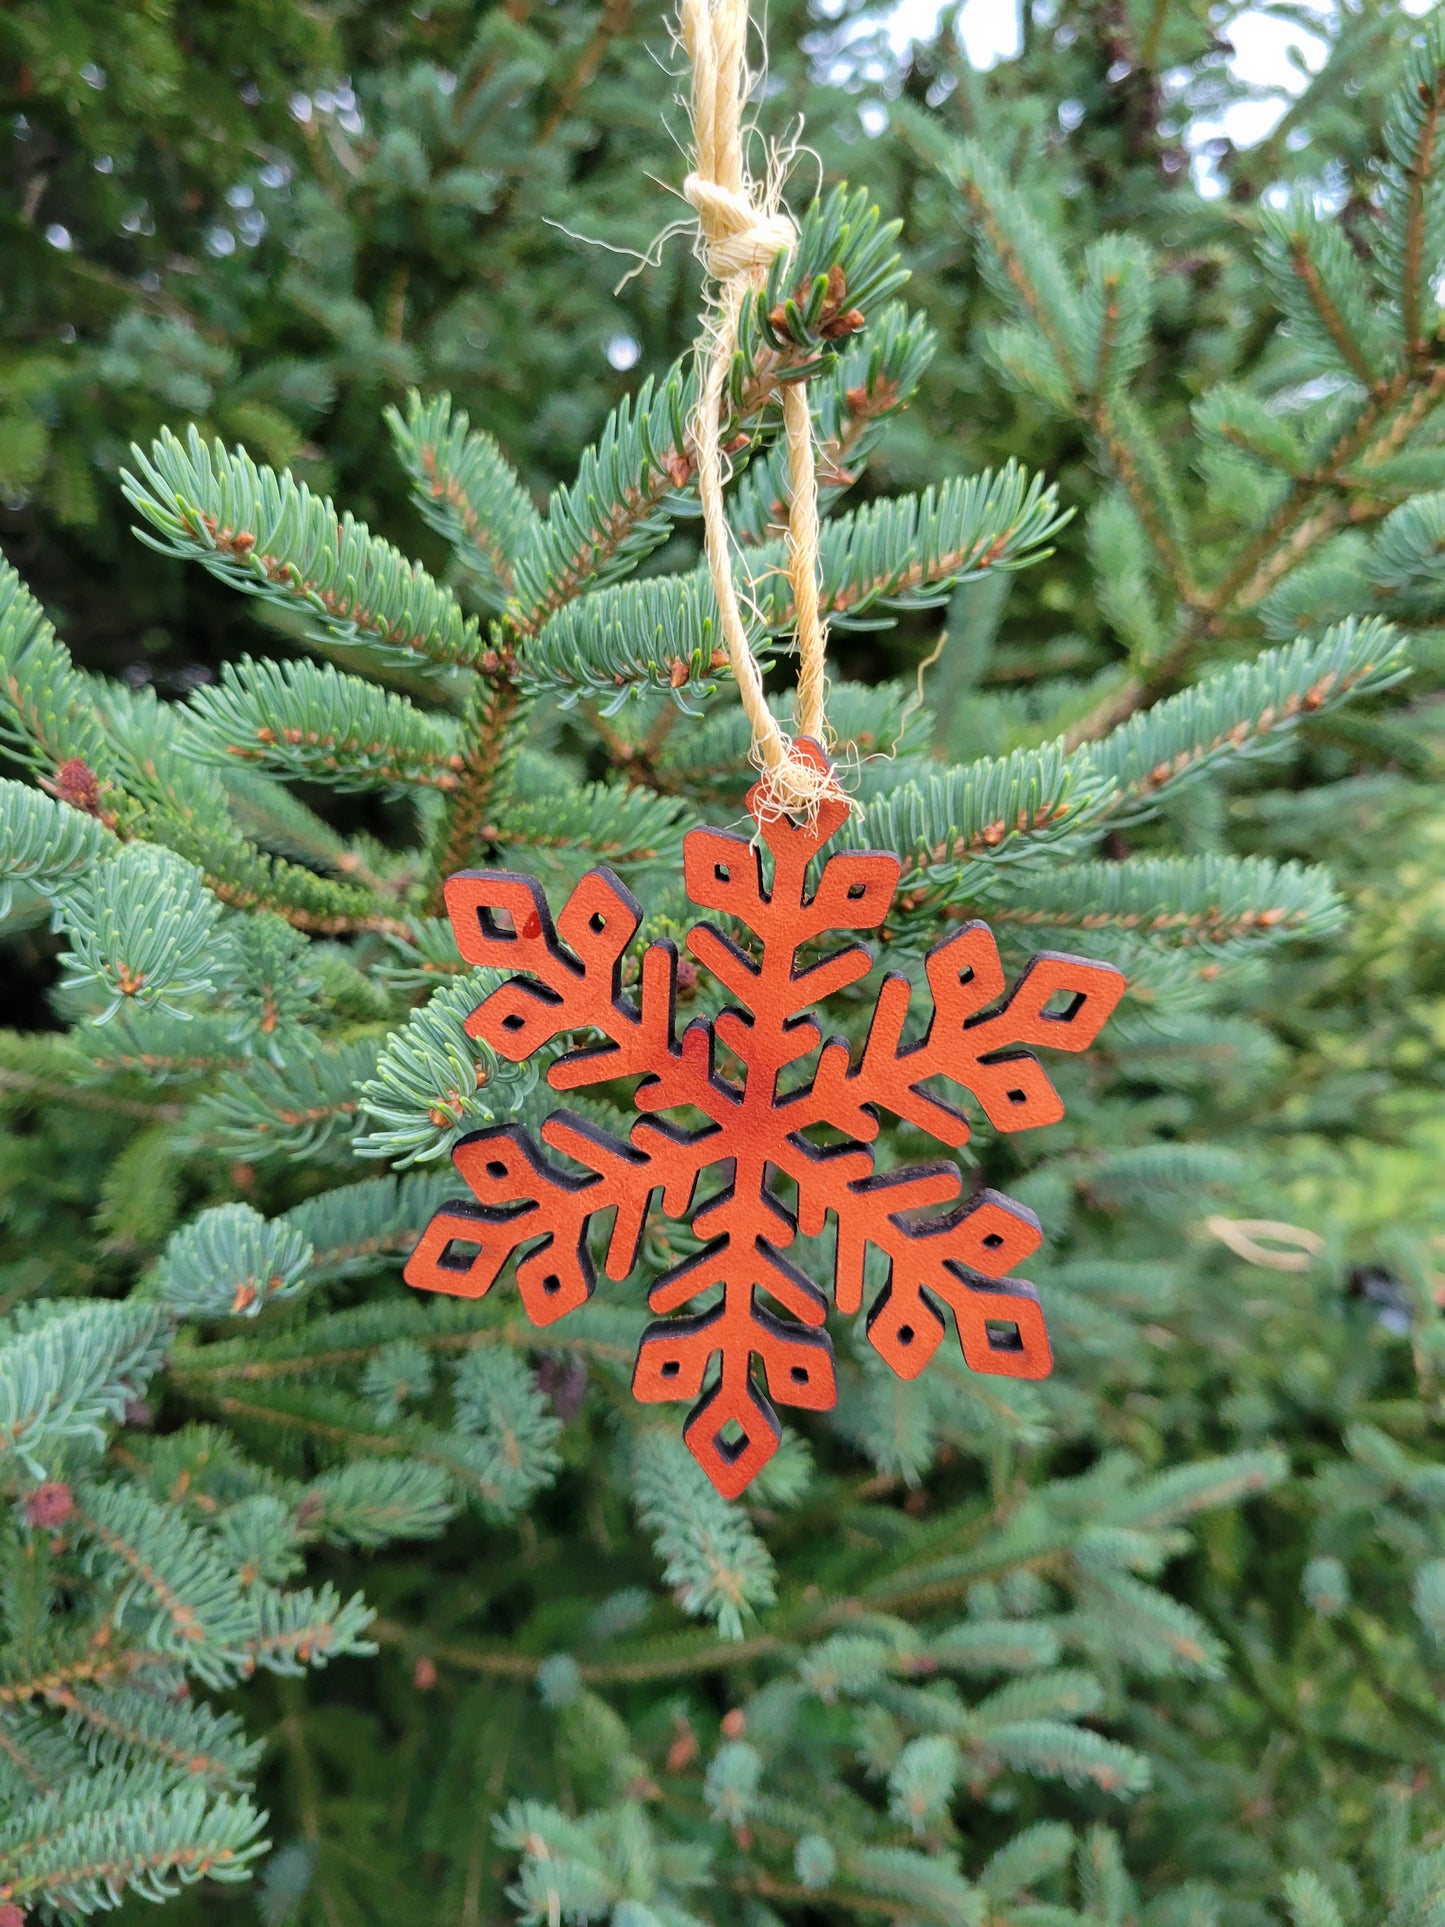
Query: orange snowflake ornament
x=937, y=1251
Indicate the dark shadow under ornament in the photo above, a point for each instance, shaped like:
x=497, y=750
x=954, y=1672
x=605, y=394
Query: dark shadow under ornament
x=572, y=982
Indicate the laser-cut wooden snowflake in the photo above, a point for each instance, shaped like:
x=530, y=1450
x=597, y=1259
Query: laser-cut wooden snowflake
x=527, y=1209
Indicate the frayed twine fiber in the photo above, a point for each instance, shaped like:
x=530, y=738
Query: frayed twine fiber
x=1258, y=1242
x=740, y=237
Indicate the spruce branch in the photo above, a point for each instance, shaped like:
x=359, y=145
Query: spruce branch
x=620, y=826
x=642, y=470
x=1243, y=711
x=1324, y=292
x=1404, y=562
x=190, y=1737
x=709, y=759
x=24, y=1751
x=1116, y=303
x=291, y=1631
x=988, y=1646
x=465, y=489
x=345, y=1425
x=907, y=552
x=1026, y=1860
x=708, y=1547
x=231, y=1262
x=1238, y=419
x=160, y=1048
x=615, y=512
x=182, y=805
x=268, y=814
x=142, y=929
x=1311, y=510
x=1123, y=569
x=348, y=1229
x=245, y=879
x=1310, y=1902
x=992, y=812
x=44, y=845
x=432, y=1081
x=353, y=1339
x=103, y=1665
x=81, y=1859
x=1210, y=901
x=1412, y=223
x=492, y=730
x=1054, y=1749
x=911, y=1884
x=63, y=1377
x=298, y=1107
x=638, y=637
x=1142, y=471
x=1085, y=342
x=611, y=24
x=875, y=375
x=914, y=551
x=269, y=536
x=189, y=1605
x=37, y=1085
x=1019, y=257
x=395, y=1375
x=1167, y=1498
x=371, y=1501
x=500, y=1406
x=48, y=715
x=965, y=1551
x=308, y=722
x=1121, y=1615
x=268, y=979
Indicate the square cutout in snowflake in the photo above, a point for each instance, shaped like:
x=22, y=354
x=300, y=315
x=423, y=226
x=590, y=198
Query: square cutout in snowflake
x=938, y=1252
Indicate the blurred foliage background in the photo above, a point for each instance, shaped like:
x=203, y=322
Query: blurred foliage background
x=273, y=220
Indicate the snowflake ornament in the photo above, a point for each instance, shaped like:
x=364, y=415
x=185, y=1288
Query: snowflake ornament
x=758, y=1124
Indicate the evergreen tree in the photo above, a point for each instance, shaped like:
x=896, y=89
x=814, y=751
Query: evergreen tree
x=273, y=221
x=1156, y=1638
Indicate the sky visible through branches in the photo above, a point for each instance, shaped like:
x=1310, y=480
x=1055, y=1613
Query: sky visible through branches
x=1267, y=53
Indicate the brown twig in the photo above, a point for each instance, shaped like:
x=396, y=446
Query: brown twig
x=613, y=23
x=486, y=759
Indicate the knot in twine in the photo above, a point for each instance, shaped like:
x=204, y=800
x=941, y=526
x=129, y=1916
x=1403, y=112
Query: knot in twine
x=740, y=239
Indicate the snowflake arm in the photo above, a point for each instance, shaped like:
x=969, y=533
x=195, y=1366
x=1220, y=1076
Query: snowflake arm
x=525, y=1208
x=502, y=919
x=956, y=1258
x=965, y=1044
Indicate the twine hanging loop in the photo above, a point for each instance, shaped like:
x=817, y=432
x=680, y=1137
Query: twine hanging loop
x=740, y=237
